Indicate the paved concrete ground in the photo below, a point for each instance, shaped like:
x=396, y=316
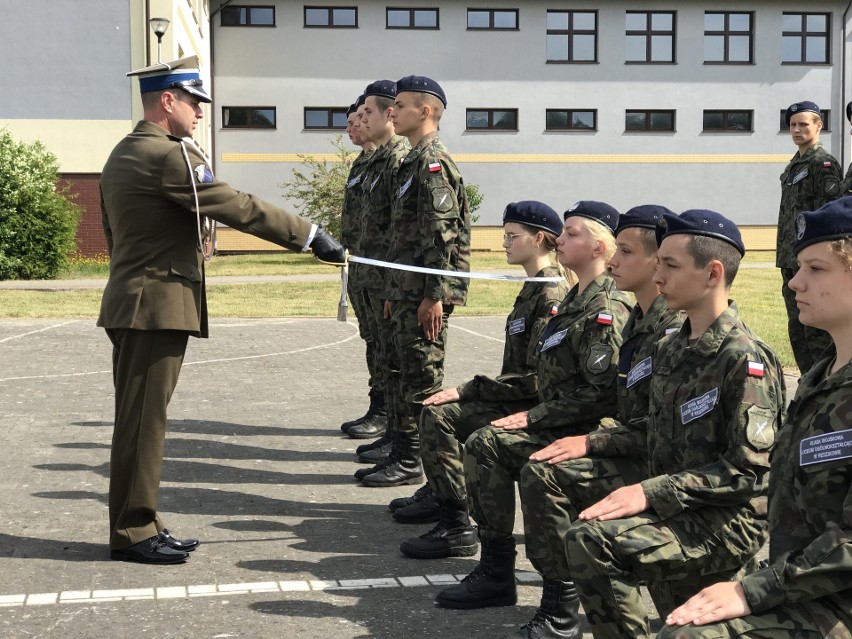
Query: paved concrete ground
x=256, y=467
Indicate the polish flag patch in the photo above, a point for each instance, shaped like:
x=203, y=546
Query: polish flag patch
x=605, y=318
x=755, y=369
x=826, y=163
x=434, y=167
x=554, y=310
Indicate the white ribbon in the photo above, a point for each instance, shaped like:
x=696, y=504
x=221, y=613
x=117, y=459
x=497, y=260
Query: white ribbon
x=464, y=274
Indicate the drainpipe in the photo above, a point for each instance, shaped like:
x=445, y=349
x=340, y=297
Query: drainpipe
x=213, y=82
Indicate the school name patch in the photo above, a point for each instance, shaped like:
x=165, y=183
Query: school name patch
x=825, y=448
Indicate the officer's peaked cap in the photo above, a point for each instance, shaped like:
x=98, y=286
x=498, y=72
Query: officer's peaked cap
x=177, y=74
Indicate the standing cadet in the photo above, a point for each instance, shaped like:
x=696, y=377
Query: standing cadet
x=431, y=228
x=716, y=396
x=552, y=493
x=806, y=590
x=451, y=416
x=812, y=178
x=156, y=191
x=351, y=235
x=576, y=360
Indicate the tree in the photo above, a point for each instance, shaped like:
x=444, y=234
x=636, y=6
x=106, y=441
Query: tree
x=38, y=222
x=474, y=200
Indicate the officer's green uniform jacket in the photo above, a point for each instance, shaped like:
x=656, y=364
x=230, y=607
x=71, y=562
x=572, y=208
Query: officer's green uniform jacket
x=377, y=196
x=351, y=217
x=535, y=305
x=714, y=408
x=577, y=356
x=156, y=279
x=430, y=226
x=810, y=506
x=808, y=182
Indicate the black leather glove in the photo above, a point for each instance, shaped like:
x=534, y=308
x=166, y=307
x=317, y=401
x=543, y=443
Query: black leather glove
x=326, y=247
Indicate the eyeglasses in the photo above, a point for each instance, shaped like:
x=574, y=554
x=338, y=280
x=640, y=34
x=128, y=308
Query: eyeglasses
x=509, y=238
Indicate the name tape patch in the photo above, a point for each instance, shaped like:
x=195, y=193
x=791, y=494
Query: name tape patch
x=801, y=175
x=825, y=448
x=639, y=372
x=517, y=326
x=554, y=339
x=376, y=181
x=405, y=186
x=699, y=407
x=353, y=182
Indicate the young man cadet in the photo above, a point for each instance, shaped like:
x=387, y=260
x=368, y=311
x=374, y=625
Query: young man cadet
x=430, y=227
x=377, y=195
x=715, y=400
x=810, y=179
x=351, y=235
x=576, y=360
x=156, y=193
x=553, y=491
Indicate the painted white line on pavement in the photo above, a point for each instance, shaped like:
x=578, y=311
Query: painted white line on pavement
x=467, y=330
x=41, y=330
x=250, y=588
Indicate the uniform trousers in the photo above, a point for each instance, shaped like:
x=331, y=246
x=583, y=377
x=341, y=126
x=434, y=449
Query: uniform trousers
x=360, y=304
x=785, y=622
x=808, y=343
x=145, y=365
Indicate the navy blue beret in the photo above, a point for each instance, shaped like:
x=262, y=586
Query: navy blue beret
x=644, y=216
x=801, y=107
x=700, y=222
x=597, y=211
x=421, y=84
x=849, y=111
x=381, y=88
x=832, y=221
x=352, y=108
x=535, y=214
x=360, y=101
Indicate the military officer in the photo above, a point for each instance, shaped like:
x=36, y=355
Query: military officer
x=156, y=191
x=430, y=227
x=576, y=362
x=810, y=179
x=806, y=590
x=716, y=397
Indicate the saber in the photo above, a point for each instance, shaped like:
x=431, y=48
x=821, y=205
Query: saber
x=343, y=305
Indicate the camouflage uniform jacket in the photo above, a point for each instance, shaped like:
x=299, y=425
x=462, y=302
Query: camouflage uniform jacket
x=377, y=195
x=535, y=305
x=808, y=182
x=635, y=365
x=430, y=226
x=846, y=186
x=714, y=409
x=350, y=217
x=577, y=357
x=810, y=504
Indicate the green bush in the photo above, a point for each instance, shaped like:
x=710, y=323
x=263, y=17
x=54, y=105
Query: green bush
x=38, y=223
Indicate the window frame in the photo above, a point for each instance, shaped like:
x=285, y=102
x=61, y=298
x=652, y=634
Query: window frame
x=804, y=34
x=648, y=115
x=649, y=33
x=726, y=33
x=330, y=111
x=569, y=128
x=250, y=118
x=491, y=13
x=248, y=8
x=411, y=14
x=571, y=32
x=725, y=113
x=330, y=10
x=491, y=128
x=826, y=121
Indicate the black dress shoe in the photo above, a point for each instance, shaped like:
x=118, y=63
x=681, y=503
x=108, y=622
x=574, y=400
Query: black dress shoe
x=186, y=545
x=151, y=551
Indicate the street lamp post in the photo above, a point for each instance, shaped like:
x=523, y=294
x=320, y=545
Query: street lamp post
x=160, y=26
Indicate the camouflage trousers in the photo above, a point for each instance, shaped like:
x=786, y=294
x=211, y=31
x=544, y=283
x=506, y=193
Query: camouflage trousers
x=385, y=363
x=444, y=430
x=358, y=298
x=553, y=495
x=420, y=363
x=793, y=620
x=676, y=557
x=493, y=459
x=808, y=343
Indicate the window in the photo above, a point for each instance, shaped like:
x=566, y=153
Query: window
x=572, y=36
x=804, y=38
x=492, y=119
x=635, y=120
x=325, y=117
x=345, y=17
x=412, y=18
x=571, y=120
x=728, y=37
x=826, y=121
x=248, y=17
x=728, y=121
x=651, y=37
x=492, y=19
x=248, y=117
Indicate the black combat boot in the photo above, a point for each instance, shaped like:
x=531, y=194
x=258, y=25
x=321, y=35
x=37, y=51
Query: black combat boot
x=374, y=452
x=401, y=502
x=373, y=426
x=377, y=398
x=424, y=510
x=404, y=465
x=384, y=463
x=452, y=536
x=558, y=615
x=492, y=582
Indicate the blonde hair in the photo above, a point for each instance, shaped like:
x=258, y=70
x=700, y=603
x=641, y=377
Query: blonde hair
x=549, y=243
x=842, y=248
x=601, y=233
